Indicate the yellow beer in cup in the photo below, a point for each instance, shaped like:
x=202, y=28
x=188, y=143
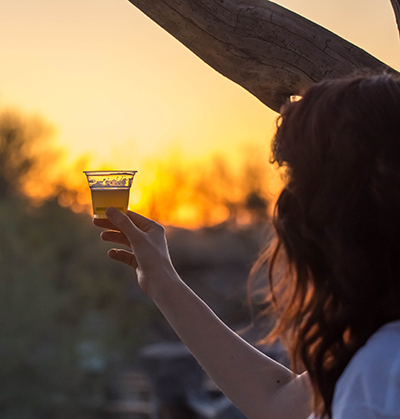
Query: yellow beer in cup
x=109, y=189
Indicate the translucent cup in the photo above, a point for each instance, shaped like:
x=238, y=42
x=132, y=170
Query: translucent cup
x=110, y=189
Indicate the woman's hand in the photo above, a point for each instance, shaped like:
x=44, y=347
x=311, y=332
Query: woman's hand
x=148, y=252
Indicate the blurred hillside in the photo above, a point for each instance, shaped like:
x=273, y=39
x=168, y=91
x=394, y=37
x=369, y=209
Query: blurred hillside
x=70, y=317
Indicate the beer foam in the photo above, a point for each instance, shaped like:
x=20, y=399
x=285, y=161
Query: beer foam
x=122, y=182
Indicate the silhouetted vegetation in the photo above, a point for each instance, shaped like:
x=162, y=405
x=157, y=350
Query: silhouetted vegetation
x=25, y=152
x=69, y=315
x=210, y=192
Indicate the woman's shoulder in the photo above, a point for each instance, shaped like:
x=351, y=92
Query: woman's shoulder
x=371, y=380
x=381, y=350
x=381, y=347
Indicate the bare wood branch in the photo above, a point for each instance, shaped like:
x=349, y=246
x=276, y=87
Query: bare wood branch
x=270, y=51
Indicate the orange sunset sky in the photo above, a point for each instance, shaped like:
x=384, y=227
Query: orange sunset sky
x=119, y=89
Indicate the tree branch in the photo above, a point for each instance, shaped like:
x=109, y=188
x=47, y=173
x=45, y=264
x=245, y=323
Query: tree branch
x=270, y=51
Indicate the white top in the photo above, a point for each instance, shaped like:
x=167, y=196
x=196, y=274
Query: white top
x=369, y=387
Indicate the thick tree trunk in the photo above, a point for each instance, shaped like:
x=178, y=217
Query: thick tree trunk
x=267, y=49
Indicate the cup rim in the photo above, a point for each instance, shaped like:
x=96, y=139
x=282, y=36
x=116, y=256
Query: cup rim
x=109, y=172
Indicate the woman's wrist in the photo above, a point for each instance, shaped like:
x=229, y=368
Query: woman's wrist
x=162, y=283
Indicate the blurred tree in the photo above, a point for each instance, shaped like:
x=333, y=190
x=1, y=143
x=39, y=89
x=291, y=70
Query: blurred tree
x=240, y=193
x=24, y=150
x=208, y=192
x=257, y=205
x=169, y=190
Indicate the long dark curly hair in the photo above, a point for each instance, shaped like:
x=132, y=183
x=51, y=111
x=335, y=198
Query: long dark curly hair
x=337, y=224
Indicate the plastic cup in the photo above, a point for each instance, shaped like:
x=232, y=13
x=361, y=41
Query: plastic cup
x=109, y=189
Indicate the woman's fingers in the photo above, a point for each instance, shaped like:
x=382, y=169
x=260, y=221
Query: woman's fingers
x=104, y=223
x=123, y=256
x=141, y=222
x=124, y=223
x=115, y=237
x=142, y=235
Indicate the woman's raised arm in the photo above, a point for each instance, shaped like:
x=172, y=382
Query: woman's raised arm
x=259, y=386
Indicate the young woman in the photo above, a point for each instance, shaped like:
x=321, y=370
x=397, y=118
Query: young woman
x=337, y=224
